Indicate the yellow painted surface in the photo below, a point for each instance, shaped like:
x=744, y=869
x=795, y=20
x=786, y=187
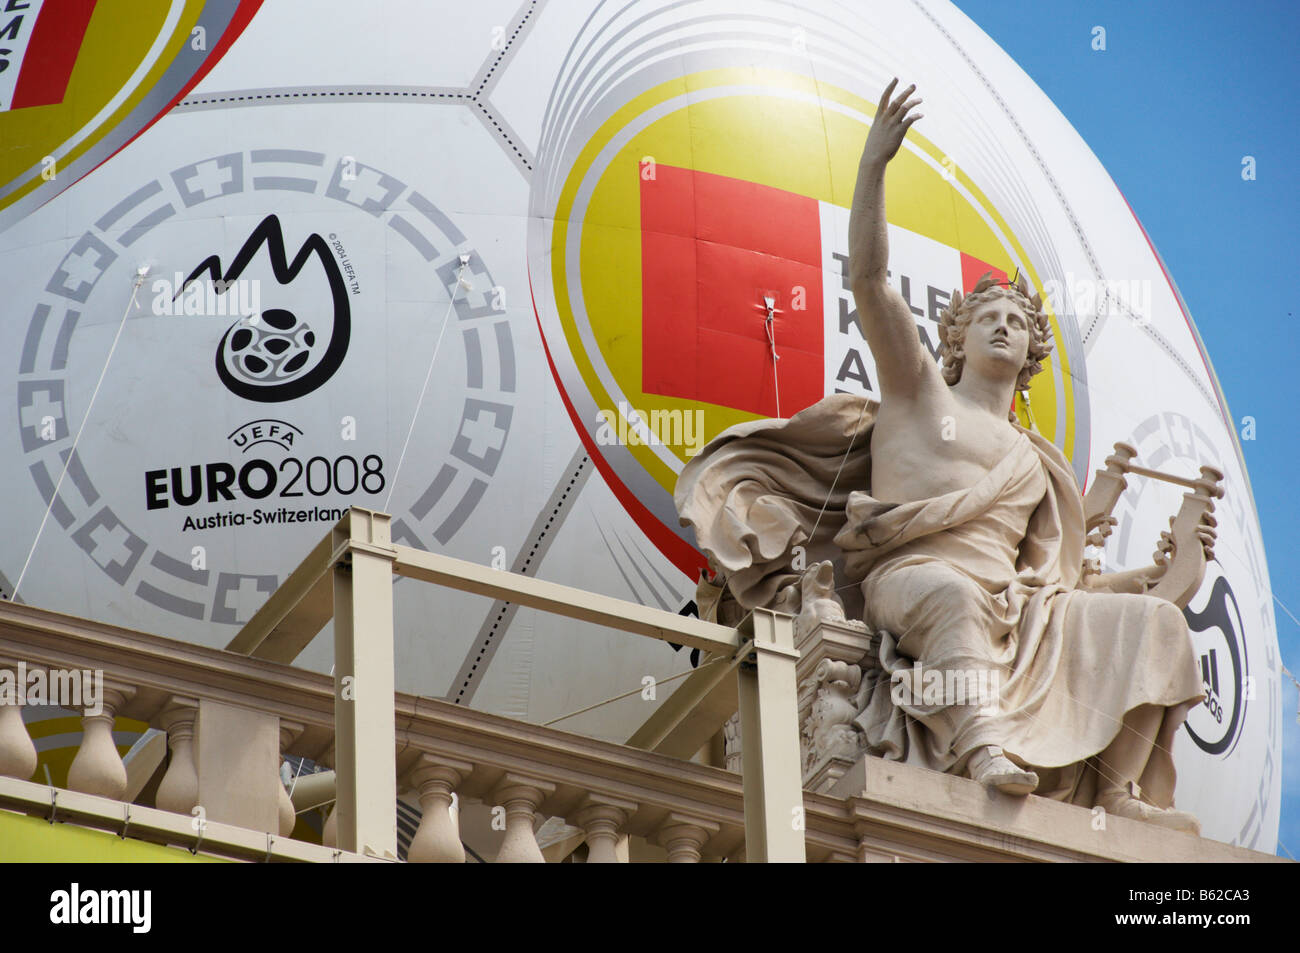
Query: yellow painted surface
x=25, y=839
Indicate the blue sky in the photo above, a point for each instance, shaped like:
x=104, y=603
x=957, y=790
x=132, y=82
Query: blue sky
x=1184, y=90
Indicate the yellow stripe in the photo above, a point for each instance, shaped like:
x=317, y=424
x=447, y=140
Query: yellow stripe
x=113, y=47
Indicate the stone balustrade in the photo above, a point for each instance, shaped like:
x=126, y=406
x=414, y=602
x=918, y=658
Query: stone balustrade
x=225, y=704
x=244, y=714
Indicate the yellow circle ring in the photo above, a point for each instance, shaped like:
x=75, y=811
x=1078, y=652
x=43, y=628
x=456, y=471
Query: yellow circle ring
x=775, y=129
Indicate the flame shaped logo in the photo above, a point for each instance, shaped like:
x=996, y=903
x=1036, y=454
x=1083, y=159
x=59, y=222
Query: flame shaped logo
x=280, y=358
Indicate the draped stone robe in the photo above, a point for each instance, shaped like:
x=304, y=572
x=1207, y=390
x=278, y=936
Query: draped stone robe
x=980, y=578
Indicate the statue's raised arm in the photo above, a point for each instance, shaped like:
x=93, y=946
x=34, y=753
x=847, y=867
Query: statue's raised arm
x=886, y=320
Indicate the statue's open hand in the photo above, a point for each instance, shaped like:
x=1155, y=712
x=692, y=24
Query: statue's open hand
x=890, y=125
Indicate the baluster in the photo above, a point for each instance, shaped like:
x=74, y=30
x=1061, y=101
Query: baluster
x=288, y=817
x=437, y=841
x=179, y=789
x=603, y=818
x=98, y=768
x=684, y=835
x=17, y=752
x=329, y=835
x=520, y=797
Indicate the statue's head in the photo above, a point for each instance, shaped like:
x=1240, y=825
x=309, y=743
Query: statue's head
x=988, y=297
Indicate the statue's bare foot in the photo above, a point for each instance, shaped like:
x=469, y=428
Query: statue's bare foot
x=990, y=766
x=1122, y=804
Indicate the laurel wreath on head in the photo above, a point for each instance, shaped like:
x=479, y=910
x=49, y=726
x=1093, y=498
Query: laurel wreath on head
x=954, y=318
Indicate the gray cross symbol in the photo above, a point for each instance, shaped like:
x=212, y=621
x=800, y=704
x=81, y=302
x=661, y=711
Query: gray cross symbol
x=246, y=597
x=209, y=178
x=114, y=539
x=34, y=414
x=367, y=186
x=481, y=435
x=82, y=268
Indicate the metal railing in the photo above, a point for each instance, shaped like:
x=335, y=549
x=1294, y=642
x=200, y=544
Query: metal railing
x=348, y=577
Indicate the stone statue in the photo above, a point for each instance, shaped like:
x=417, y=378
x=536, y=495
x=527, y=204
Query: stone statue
x=964, y=535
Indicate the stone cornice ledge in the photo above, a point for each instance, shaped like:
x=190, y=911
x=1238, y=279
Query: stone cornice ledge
x=159, y=667
x=907, y=812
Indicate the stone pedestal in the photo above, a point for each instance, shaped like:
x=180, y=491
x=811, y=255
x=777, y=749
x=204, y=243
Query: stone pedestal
x=905, y=813
x=834, y=658
x=238, y=755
